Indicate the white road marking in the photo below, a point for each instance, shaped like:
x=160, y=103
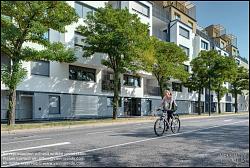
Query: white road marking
x=123, y=144
x=98, y=132
x=34, y=147
x=25, y=141
x=228, y=120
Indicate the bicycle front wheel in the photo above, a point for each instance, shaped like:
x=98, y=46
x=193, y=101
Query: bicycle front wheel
x=175, y=125
x=159, y=126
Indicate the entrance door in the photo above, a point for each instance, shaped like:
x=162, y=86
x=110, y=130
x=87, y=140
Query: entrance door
x=132, y=106
x=27, y=107
x=228, y=107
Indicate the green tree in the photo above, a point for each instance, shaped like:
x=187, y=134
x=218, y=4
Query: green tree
x=27, y=21
x=224, y=70
x=121, y=36
x=166, y=62
x=202, y=67
x=239, y=83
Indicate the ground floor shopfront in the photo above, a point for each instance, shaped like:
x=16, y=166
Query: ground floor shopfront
x=44, y=106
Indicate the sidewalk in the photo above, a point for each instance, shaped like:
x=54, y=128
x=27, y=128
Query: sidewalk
x=55, y=125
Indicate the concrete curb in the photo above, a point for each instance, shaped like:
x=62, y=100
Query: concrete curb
x=93, y=125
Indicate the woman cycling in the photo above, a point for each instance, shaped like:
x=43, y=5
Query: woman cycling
x=169, y=104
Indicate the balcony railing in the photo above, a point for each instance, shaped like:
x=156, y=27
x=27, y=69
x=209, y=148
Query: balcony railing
x=108, y=86
x=160, y=13
x=152, y=90
x=203, y=35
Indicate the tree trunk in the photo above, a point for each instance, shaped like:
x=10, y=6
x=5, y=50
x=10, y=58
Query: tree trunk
x=116, y=94
x=199, y=102
x=12, y=93
x=218, y=100
x=161, y=89
x=12, y=107
x=235, y=102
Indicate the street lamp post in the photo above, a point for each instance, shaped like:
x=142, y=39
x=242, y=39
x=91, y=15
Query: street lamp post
x=209, y=95
x=209, y=91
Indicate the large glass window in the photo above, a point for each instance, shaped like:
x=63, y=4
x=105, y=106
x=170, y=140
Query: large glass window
x=177, y=87
x=186, y=68
x=40, y=68
x=130, y=80
x=108, y=81
x=82, y=9
x=204, y=45
x=185, y=49
x=81, y=73
x=183, y=32
x=140, y=8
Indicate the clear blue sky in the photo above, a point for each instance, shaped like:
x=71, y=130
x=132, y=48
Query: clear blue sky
x=233, y=15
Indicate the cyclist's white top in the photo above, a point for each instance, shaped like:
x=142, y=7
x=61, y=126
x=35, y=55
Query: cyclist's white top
x=167, y=103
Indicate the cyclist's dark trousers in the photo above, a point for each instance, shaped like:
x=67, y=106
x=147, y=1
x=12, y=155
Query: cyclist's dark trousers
x=170, y=114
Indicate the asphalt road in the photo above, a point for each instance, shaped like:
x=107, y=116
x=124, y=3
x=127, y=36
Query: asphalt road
x=214, y=141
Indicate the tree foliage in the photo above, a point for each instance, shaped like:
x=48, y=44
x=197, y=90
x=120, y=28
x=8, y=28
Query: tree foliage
x=224, y=70
x=239, y=83
x=201, y=73
x=121, y=36
x=27, y=21
x=166, y=62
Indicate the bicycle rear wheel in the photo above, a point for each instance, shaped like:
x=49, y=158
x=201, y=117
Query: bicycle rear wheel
x=175, y=125
x=159, y=126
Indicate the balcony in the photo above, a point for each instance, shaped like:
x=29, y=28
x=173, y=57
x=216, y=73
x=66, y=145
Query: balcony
x=108, y=86
x=160, y=12
x=203, y=34
x=185, y=7
x=152, y=90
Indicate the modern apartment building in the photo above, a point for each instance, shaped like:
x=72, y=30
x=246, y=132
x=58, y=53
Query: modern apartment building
x=84, y=88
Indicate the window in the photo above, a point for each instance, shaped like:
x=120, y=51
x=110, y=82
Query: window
x=46, y=35
x=130, y=80
x=81, y=73
x=234, y=52
x=82, y=9
x=190, y=24
x=186, y=67
x=110, y=101
x=54, y=104
x=190, y=90
x=183, y=32
x=204, y=45
x=177, y=16
x=225, y=54
x=185, y=49
x=78, y=39
x=222, y=44
x=108, y=81
x=140, y=8
x=177, y=87
x=238, y=62
x=40, y=68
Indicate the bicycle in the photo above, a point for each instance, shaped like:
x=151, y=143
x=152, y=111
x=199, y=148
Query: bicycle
x=162, y=122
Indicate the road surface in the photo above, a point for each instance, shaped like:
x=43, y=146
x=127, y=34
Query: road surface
x=214, y=141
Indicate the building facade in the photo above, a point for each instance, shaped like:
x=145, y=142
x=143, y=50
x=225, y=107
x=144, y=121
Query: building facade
x=83, y=89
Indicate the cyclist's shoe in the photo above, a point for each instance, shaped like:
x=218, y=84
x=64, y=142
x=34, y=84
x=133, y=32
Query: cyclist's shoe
x=167, y=127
